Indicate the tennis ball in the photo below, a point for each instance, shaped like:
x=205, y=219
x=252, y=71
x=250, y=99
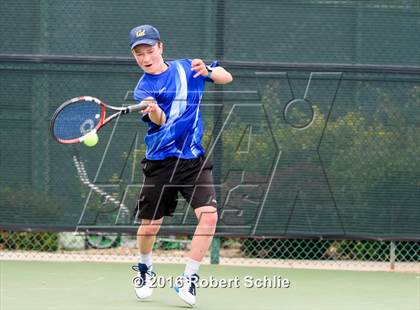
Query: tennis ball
x=91, y=139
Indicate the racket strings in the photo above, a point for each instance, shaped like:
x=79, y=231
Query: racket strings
x=76, y=120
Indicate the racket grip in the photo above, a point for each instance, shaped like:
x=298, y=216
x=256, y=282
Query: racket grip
x=137, y=107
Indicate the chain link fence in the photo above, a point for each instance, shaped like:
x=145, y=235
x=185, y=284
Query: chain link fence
x=287, y=253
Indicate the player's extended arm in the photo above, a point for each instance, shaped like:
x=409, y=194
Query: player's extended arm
x=219, y=75
x=156, y=114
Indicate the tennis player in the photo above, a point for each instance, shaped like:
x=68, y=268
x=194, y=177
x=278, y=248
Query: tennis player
x=175, y=159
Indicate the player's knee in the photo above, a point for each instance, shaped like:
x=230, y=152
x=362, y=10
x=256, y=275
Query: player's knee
x=208, y=219
x=149, y=228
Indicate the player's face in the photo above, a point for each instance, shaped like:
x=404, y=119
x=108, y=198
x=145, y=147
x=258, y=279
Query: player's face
x=149, y=57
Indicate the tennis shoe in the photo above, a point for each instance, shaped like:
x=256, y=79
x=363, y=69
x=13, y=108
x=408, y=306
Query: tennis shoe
x=143, y=281
x=186, y=287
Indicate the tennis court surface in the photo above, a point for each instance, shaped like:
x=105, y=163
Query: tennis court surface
x=54, y=285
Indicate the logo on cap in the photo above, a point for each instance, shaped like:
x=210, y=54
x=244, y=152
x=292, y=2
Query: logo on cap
x=140, y=33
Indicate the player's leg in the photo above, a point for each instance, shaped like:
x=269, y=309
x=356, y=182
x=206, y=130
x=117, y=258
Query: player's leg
x=156, y=200
x=201, y=196
x=201, y=241
x=204, y=232
x=146, y=237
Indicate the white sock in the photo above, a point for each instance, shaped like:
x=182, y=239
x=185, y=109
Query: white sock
x=146, y=259
x=191, y=267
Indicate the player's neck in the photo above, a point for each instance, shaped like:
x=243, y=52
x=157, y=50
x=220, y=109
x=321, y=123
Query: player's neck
x=163, y=67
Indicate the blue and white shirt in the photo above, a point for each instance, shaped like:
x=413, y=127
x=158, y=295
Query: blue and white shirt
x=178, y=94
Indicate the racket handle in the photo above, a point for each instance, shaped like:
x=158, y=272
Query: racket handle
x=137, y=107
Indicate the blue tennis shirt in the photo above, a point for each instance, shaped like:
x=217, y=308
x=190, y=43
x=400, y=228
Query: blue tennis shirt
x=178, y=94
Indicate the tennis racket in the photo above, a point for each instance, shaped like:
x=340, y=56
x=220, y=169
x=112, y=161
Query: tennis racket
x=77, y=117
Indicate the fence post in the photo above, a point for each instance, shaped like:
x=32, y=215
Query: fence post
x=215, y=249
x=392, y=255
x=218, y=118
x=39, y=112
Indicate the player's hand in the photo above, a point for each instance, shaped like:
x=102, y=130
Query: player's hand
x=151, y=105
x=155, y=113
x=199, y=66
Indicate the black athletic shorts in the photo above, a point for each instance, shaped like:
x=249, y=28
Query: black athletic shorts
x=163, y=179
